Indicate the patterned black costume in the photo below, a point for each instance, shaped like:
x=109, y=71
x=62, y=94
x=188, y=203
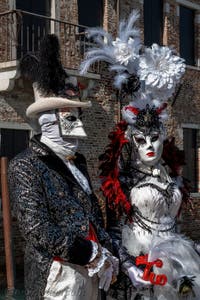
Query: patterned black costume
x=53, y=213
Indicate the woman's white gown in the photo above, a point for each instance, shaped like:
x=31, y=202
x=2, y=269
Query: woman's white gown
x=156, y=201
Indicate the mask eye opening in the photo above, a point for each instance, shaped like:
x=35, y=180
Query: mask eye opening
x=154, y=138
x=70, y=118
x=139, y=140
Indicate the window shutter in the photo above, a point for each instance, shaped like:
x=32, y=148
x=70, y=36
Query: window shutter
x=187, y=34
x=153, y=21
x=190, y=149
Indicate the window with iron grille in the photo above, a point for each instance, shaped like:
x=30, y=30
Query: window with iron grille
x=33, y=27
x=153, y=21
x=190, y=170
x=187, y=34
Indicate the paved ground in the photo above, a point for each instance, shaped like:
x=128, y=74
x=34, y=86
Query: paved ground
x=18, y=294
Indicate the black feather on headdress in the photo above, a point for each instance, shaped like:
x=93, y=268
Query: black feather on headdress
x=51, y=73
x=46, y=69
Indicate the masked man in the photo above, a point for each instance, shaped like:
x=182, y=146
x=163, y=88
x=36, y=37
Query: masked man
x=50, y=189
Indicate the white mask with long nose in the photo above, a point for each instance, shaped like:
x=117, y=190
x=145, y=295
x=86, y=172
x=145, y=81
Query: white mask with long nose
x=51, y=134
x=149, y=147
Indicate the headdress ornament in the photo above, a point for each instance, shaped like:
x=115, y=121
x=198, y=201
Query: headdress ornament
x=52, y=86
x=147, y=75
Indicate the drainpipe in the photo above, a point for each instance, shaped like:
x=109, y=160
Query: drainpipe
x=117, y=13
x=7, y=225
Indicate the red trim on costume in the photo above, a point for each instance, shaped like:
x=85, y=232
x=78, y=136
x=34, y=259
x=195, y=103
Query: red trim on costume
x=132, y=109
x=92, y=234
x=160, y=109
x=57, y=258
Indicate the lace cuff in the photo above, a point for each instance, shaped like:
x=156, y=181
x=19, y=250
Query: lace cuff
x=93, y=270
x=95, y=250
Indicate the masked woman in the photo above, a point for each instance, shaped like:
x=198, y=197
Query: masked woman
x=143, y=199
x=160, y=263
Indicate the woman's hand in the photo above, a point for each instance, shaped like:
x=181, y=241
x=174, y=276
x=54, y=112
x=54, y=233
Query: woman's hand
x=135, y=275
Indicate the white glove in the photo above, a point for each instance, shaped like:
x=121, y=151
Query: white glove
x=104, y=264
x=135, y=275
x=105, y=276
x=115, y=264
x=108, y=273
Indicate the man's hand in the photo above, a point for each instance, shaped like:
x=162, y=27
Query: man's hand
x=108, y=273
x=105, y=276
x=104, y=265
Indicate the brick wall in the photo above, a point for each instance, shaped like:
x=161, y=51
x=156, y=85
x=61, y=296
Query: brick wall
x=4, y=5
x=5, y=31
x=99, y=121
x=190, y=220
x=185, y=109
x=69, y=11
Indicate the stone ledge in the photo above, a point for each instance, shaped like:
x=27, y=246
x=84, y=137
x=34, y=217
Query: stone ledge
x=15, y=125
x=8, y=64
x=88, y=75
x=8, y=73
x=195, y=195
x=188, y=4
x=193, y=68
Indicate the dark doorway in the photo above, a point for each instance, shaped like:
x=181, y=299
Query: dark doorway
x=13, y=141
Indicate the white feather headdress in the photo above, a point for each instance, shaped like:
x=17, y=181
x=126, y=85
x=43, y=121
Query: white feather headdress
x=157, y=66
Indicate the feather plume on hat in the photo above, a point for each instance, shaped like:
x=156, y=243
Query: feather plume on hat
x=51, y=84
